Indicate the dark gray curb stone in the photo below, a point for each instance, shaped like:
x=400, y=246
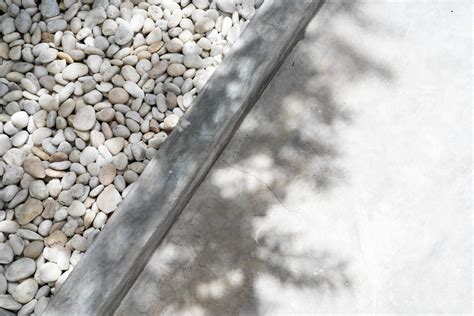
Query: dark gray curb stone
x=111, y=265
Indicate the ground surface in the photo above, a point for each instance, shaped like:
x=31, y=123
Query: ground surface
x=347, y=188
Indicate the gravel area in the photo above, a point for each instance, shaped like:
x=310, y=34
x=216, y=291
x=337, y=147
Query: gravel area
x=89, y=90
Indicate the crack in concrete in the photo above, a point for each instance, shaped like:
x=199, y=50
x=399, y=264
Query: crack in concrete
x=267, y=186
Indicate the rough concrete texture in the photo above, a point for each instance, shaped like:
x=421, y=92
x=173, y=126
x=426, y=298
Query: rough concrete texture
x=110, y=266
x=347, y=188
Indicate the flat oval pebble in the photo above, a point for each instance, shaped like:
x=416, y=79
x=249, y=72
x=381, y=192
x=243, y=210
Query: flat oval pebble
x=23, y=22
x=5, y=144
x=25, y=291
x=29, y=210
x=20, y=119
x=76, y=209
x=6, y=253
x=171, y=121
x=133, y=89
x=7, y=302
x=84, y=119
x=49, y=8
x=118, y=95
x=107, y=174
x=109, y=199
x=34, y=249
x=49, y=272
x=204, y=25
x=123, y=34
x=34, y=167
x=115, y=145
x=48, y=102
x=20, y=269
x=227, y=6
x=74, y=71
x=48, y=55
x=9, y=226
x=176, y=70
x=56, y=238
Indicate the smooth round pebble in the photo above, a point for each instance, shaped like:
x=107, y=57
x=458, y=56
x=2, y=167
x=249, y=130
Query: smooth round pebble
x=49, y=272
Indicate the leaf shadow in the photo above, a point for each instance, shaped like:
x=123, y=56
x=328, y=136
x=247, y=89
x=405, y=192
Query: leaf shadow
x=215, y=260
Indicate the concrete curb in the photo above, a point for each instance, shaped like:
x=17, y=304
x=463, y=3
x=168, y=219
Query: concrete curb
x=111, y=265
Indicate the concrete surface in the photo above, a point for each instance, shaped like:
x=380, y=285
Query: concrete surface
x=102, y=278
x=347, y=188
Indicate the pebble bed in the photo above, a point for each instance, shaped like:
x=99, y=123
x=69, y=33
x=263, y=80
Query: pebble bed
x=89, y=90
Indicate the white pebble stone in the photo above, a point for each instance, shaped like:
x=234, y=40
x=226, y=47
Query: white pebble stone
x=85, y=118
x=8, y=226
x=99, y=220
x=133, y=89
x=47, y=55
x=49, y=272
x=201, y=4
x=89, y=155
x=109, y=27
x=62, y=258
x=176, y=70
x=48, y=102
x=25, y=291
x=6, y=253
x=20, y=138
x=123, y=33
x=20, y=119
x=74, y=71
x=7, y=302
x=109, y=199
x=20, y=269
x=193, y=61
x=137, y=21
x=44, y=227
x=171, y=121
x=5, y=144
x=76, y=209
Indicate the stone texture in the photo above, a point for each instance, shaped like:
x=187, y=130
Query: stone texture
x=31, y=209
x=84, y=119
x=5, y=144
x=109, y=199
x=8, y=303
x=20, y=269
x=25, y=291
x=49, y=8
x=76, y=209
x=74, y=71
x=49, y=272
x=6, y=254
x=118, y=95
x=34, y=167
x=123, y=34
x=107, y=174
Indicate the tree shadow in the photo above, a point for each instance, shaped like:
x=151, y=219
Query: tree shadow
x=216, y=259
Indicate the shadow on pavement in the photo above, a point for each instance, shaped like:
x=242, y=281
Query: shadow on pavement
x=215, y=258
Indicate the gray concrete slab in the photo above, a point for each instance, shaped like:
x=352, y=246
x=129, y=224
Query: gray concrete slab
x=110, y=266
x=347, y=188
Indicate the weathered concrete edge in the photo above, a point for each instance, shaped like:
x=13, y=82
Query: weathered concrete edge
x=104, y=275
